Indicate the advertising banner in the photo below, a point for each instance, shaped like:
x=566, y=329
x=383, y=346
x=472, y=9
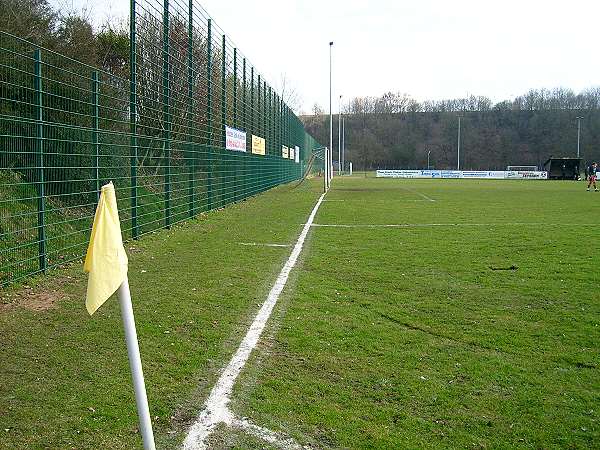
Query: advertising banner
x=235, y=139
x=297, y=154
x=451, y=174
x=475, y=174
x=526, y=175
x=258, y=145
x=284, y=152
x=399, y=173
x=472, y=174
x=431, y=174
x=292, y=152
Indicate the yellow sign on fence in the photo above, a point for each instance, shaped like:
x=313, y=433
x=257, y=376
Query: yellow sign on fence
x=258, y=145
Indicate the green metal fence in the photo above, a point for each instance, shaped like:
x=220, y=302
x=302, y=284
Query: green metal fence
x=67, y=128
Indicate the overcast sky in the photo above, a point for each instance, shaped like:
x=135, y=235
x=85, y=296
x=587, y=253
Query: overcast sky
x=429, y=49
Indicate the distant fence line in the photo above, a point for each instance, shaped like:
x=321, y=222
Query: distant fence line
x=194, y=128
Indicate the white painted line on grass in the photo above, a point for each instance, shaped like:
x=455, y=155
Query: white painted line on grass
x=273, y=438
x=419, y=225
x=216, y=409
x=429, y=199
x=257, y=244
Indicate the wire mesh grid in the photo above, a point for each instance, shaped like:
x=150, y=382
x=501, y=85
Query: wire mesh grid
x=67, y=128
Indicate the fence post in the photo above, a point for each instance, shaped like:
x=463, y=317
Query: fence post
x=235, y=158
x=235, y=114
x=251, y=103
x=95, y=127
x=250, y=173
x=39, y=160
x=245, y=122
x=259, y=162
x=133, y=142
x=191, y=154
x=166, y=114
x=209, y=110
x=223, y=93
x=272, y=121
x=264, y=114
x=222, y=158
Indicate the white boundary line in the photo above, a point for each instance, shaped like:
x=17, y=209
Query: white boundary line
x=276, y=439
x=257, y=244
x=429, y=199
x=216, y=409
x=419, y=225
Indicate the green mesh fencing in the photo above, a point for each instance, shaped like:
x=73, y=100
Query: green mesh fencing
x=67, y=128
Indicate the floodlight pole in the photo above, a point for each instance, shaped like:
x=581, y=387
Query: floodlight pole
x=330, y=112
x=343, y=142
x=578, y=133
x=340, y=136
x=458, y=147
x=325, y=170
x=428, y=153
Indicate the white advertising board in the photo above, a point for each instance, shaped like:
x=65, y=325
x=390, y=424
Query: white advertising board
x=465, y=174
x=431, y=174
x=398, y=173
x=475, y=174
x=496, y=174
x=292, y=150
x=235, y=139
x=526, y=175
x=297, y=154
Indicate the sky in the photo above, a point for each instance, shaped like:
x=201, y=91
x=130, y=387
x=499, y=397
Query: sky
x=428, y=49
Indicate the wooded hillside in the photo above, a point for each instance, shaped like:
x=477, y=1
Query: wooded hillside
x=394, y=131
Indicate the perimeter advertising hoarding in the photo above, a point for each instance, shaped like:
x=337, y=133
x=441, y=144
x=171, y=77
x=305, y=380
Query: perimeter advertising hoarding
x=465, y=174
x=258, y=145
x=526, y=175
x=235, y=139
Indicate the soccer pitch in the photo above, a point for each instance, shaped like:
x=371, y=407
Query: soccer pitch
x=438, y=314
x=421, y=313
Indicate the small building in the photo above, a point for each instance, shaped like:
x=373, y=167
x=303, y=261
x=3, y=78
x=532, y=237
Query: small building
x=563, y=168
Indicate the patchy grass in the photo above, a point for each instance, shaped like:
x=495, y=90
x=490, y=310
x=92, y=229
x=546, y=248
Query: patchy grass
x=467, y=328
x=483, y=333
x=64, y=376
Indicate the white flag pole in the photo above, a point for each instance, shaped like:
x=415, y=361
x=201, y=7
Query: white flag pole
x=135, y=363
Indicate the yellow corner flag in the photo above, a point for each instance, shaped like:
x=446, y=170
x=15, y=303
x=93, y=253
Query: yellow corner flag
x=106, y=260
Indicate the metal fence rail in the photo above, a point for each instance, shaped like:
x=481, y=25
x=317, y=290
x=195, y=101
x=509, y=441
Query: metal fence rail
x=67, y=128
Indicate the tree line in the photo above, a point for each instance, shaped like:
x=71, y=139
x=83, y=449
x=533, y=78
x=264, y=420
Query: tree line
x=396, y=131
x=69, y=33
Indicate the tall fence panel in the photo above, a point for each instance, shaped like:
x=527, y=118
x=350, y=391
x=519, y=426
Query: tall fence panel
x=161, y=136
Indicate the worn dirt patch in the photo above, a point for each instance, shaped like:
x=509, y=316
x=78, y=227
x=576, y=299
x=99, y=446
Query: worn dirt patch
x=32, y=300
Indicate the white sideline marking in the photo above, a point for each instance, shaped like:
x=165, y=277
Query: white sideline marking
x=256, y=244
x=384, y=201
x=429, y=199
x=266, y=435
x=216, y=409
x=417, y=225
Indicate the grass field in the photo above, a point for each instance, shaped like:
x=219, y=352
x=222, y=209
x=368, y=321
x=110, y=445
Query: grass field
x=471, y=321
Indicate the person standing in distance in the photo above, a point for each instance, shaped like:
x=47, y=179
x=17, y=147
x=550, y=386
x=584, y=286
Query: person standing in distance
x=592, y=176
